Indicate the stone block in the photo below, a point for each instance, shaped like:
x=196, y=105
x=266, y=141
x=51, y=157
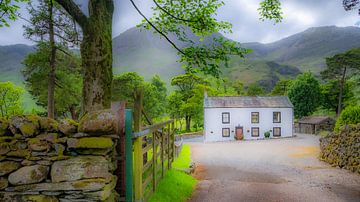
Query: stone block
x=29, y=175
x=98, y=123
x=7, y=167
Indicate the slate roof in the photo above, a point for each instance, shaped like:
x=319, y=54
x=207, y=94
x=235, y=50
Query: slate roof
x=247, y=102
x=314, y=119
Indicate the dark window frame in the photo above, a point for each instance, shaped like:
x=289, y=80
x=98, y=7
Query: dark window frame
x=222, y=117
x=274, y=132
x=279, y=116
x=252, y=131
x=223, y=132
x=258, y=117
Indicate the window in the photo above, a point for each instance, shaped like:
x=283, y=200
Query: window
x=276, y=117
x=276, y=131
x=225, y=117
x=226, y=132
x=254, y=117
x=254, y=132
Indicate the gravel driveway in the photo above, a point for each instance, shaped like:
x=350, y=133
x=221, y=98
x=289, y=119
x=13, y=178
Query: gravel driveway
x=269, y=170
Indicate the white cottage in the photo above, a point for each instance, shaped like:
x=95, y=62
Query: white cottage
x=247, y=117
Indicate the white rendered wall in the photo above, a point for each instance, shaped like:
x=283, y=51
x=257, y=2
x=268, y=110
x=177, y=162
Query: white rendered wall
x=242, y=117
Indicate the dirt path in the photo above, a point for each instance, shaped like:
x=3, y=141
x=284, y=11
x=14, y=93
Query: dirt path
x=270, y=170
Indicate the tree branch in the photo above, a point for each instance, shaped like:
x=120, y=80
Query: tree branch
x=157, y=30
x=74, y=11
x=171, y=15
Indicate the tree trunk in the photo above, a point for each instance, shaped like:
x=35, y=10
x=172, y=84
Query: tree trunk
x=188, y=123
x=51, y=76
x=341, y=89
x=96, y=51
x=96, y=55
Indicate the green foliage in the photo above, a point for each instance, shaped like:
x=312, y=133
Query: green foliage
x=68, y=79
x=304, y=93
x=10, y=99
x=281, y=87
x=125, y=85
x=175, y=16
x=183, y=161
x=176, y=185
x=350, y=115
x=254, y=90
x=271, y=10
x=8, y=11
x=330, y=95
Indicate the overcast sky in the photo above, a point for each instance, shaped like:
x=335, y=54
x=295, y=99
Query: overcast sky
x=298, y=16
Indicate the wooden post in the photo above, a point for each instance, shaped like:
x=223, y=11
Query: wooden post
x=118, y=108
x=128, y=155
x=168, y=146
x=162, y=152
x=154, y=160
x=138, y=155
x=173, y=140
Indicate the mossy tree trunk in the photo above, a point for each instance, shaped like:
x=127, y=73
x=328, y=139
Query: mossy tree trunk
x=96, y=51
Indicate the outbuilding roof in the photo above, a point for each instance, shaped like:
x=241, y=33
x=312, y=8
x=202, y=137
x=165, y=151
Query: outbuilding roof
x=314, y=119
x=247, y=102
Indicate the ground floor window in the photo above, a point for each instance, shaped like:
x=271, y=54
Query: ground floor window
x=226, y=132
x=255, y=132
x=277, y=131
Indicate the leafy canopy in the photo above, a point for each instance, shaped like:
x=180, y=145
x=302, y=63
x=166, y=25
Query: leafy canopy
x=67, y=79
x=10, y=99
x=304, y=93
x=8, y=11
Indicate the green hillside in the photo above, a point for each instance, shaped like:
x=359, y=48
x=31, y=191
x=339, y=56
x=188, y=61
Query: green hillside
x=148, y=54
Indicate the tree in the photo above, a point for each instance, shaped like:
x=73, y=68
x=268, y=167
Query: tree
x=169, y=17
x=67, y=94
x=10, y=99
x=8, y=9
x=50, y=24
x=304, y=93
x=341, y=67
x=254, y=90
x=186, y=83
x=330, y=94
x=281, y=87
x=174, y=101
x=126, y=84
x=238, y=87
x=351, y=4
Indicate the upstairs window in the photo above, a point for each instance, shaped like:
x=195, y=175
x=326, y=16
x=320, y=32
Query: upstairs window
x=225, y=117
x=276, y=117
x=254, y=117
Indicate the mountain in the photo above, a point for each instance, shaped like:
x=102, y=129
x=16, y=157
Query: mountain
x=145, y=52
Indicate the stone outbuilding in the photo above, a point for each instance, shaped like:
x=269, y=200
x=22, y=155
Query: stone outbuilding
x=314, y=124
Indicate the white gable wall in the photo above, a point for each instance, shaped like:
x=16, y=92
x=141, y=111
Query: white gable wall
x=242, y=117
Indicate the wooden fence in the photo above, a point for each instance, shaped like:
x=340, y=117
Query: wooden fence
x=146, y=151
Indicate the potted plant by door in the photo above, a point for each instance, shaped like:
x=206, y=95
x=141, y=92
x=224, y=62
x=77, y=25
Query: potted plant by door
x=267, y=134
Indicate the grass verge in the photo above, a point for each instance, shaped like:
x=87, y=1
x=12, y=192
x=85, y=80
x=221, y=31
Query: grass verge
x=176, y=186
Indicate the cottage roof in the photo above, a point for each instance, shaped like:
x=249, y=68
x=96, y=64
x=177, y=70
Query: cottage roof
x=247, y=102
x=314, y=119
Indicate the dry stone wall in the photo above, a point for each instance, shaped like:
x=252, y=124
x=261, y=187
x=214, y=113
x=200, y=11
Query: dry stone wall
x=46, y=160
x=342, y=149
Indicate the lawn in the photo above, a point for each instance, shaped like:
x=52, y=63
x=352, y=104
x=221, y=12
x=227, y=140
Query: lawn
x=176, y=186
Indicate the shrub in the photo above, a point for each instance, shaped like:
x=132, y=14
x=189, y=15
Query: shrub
x=350, y=115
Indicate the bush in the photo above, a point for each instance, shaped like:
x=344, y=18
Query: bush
x=351, y=115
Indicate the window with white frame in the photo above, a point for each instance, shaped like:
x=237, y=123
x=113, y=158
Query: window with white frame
x=276, y=117
x=226, y=132
x=226, y=117
x=276, y=131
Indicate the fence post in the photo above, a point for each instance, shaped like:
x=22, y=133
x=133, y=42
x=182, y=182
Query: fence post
x=162, y=152
x=138, y=156
x=154, y=160
x=173, y=140
x=129, y=156
x=168, y=145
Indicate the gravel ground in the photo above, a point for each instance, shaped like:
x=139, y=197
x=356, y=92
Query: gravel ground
x=269, y=170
